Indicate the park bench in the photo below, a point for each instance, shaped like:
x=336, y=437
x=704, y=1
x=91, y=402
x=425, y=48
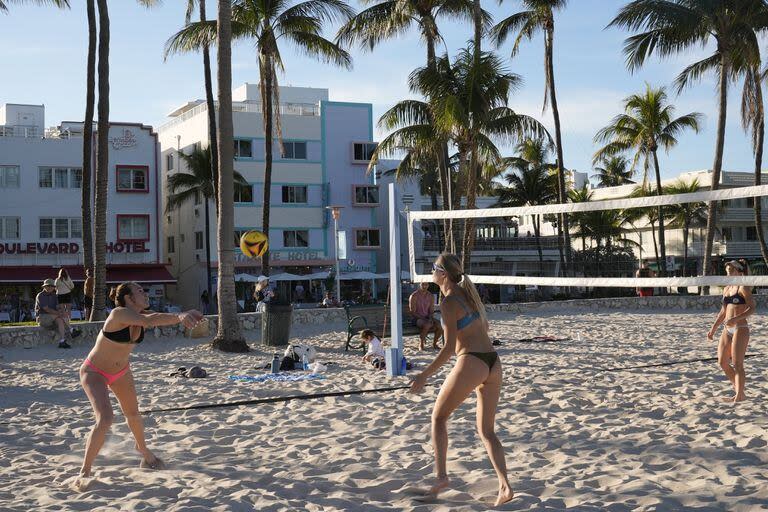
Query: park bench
x=371, y=316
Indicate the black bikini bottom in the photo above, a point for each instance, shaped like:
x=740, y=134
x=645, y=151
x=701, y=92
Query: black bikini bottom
x=488, y=358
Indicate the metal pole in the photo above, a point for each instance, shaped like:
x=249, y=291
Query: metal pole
x=338, y=274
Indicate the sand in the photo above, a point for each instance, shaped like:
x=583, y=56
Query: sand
x=576, y=437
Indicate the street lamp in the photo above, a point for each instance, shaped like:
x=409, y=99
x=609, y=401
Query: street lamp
x=336, y=213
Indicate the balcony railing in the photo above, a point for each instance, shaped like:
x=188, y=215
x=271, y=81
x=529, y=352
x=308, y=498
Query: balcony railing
x=19, y=131
x=285, y=109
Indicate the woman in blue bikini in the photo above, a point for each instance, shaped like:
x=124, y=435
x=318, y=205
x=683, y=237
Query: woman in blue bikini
x=738, y=304
x=477, y=368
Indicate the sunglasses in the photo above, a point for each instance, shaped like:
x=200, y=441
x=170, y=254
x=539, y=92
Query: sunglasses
x=436, y=267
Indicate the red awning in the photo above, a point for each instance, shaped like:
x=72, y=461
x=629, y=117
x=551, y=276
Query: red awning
x=145, y=274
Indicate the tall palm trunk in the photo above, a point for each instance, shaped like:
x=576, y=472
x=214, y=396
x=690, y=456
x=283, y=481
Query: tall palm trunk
x=686, y=229
x=562, y=193
x=265, y=61
x=90, y=97
x=477, y=18
x=214, y=151
x=228, y=336
x=102, y=171
x=662, y=238
x=469, y=224
x=758, y=179
x=655, y=246
x=717, y=166
x=537, y=234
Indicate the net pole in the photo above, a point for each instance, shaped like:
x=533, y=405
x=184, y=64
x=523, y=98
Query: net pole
x=396, y=329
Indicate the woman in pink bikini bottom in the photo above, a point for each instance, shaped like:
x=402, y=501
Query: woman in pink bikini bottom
x=106, y=368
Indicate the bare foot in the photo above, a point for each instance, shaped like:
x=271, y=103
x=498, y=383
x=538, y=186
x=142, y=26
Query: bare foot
x=152, y=463
x=81, y=482
x=439, y=486
x=740, y=398
x=505, y=495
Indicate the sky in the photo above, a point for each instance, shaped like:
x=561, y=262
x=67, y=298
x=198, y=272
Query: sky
x=43, y=60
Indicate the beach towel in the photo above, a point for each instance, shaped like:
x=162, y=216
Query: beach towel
x=280, y=377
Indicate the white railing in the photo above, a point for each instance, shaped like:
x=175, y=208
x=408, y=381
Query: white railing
x=286, y=109
x=19, y=131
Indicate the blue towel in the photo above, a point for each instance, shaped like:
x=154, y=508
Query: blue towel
x=280, y=377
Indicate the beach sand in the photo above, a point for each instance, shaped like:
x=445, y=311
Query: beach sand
x=576, y=437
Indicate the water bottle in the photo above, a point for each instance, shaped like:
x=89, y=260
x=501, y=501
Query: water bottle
x=276, y=364
x=305, y=362
x=403, y=366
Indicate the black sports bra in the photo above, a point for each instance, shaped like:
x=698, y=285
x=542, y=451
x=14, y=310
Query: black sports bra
x=734, y=299
x=123, y=335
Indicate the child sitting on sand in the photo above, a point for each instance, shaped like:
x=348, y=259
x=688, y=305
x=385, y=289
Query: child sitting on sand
x=375, y=354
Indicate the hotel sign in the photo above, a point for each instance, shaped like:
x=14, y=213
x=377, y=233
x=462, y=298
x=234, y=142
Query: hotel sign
x=66, y=247
x=126, y=140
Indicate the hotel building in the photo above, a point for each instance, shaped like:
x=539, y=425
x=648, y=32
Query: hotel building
x=326, y=148
x=40, y=203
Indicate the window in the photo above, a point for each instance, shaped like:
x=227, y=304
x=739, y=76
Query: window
x=171, y=245
x=198, y=240
x=295, y=194
x=132, y=178
x=295, y=150
x=243, y=193
x=9, y=227
x=169, y=161
x=133, y=227
x=363, y=151
x=751, y=233
x=61, y=227
x=367, y=238
x=296, y=238
x=243, y=149
x=367, y=195
x=9, y=176
x=727, y=235
x=60, y=177
x=198, y=195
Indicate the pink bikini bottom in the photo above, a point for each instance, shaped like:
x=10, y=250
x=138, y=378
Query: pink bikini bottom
x=111, y=377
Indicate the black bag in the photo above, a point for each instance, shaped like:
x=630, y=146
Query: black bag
x=286, y=365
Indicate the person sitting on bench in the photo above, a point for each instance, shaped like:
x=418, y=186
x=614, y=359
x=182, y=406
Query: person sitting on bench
x=421, y=305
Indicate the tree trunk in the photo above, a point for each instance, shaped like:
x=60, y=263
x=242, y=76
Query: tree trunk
x=562, y=193
x=90, y=96
x=469, y=224
x=758, y=178
x=214, y=152
x=265, y=61
x=477, y=18
x=662, y=238
x=655, y=247
x=102, y=169
x=685, y=248
x=717, y=166
x=228, y=336
x=537, y=234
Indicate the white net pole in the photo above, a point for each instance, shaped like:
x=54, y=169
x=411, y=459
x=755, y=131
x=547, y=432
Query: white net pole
x=396, y=350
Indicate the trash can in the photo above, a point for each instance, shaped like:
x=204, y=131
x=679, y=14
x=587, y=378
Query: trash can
x=276, y=324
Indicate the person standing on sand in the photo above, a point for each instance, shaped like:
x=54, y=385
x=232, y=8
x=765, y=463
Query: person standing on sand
x=477, y=368
x=107, y=368
x=738, y=304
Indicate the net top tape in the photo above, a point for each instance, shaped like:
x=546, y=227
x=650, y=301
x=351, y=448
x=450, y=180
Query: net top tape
x=589, y=206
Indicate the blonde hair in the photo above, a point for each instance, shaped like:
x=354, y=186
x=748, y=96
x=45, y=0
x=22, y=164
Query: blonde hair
x=63, y=274
x=454, y=271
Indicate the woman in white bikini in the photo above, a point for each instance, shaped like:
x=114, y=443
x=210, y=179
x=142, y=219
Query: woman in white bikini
x=738, y=304
x=107, y=368
x=478, y=369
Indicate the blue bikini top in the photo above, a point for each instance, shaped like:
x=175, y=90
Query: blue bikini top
x=467, y=319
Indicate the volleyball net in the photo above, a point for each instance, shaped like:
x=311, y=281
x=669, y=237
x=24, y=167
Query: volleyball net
x=525, y=248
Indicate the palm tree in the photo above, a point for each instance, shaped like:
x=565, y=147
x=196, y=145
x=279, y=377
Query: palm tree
x=530, y=183
x=211, y=108
x=265, y=23
x=57, y=3
x=468, y=101
x=580, y=195
x=228, y=337
x=199, y=181
x=753, y=120
x=539, y=15
x=685, y=215
x=386, y=20
x=670, y=27
x=651, y=215
x=614, y=172
x=647, y=123
x=90, y=96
